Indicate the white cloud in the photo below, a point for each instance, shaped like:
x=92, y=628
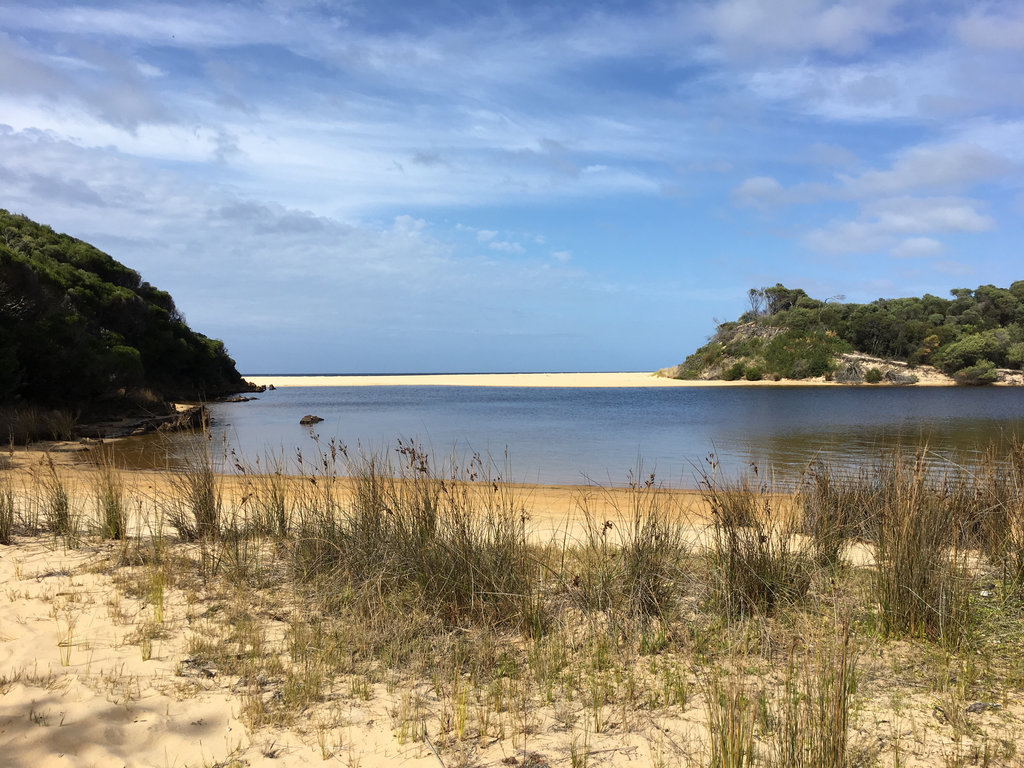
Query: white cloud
x=909, y=215
x=929, y=85
x=821, y=153
x=900, y=225
x=935, y=168
x=988, y=30
x=951, y=267
x=750, y=27
x=562, y=257
x=759, y=192
x=506, y=246
x=485, y=235
x=917, y=247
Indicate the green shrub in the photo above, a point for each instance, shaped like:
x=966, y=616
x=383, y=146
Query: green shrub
x=982, y=372
x=754, y=373
x=873, y=376
x=734, y=371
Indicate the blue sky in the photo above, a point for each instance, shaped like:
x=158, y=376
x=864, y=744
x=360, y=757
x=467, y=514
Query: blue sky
x=519, y=186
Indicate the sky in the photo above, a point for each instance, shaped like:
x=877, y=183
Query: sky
x=431, y=186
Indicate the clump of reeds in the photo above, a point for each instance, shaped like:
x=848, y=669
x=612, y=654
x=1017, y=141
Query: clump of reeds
x=7, y=510
x=111, y=507
x=731, y=714
x=450, y=543
x=633, y=566
x=812, y=707
x=22, y=425
x=921, y=577
x=57, y=511
x=832, y=507
x=195, y=508
x=757, y=562
x=1000, y=519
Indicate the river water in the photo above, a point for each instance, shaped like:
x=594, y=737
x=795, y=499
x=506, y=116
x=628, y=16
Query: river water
x=570, y=435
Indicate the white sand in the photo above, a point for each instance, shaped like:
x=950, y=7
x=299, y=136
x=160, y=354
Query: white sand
x=611, y=380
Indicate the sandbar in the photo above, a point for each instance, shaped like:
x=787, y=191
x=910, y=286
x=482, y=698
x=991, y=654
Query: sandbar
x=620, y=380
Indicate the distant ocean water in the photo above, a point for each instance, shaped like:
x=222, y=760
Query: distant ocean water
x=574, y=435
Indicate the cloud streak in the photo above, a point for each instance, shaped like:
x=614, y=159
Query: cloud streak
x=421, y=161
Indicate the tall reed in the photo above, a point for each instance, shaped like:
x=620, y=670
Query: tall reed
x=813, y=706
x=111, y=506
x=7, y=510
x=632, y=566
x=196, y=501
x=731, y=714
x=57, y=510
x=757, y=562
x=450, y=540
x=921, y=576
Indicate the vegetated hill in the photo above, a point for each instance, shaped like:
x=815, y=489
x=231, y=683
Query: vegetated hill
x=80, y=330
x=788, y=335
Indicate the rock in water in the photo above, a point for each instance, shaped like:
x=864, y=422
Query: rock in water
x=309, y=419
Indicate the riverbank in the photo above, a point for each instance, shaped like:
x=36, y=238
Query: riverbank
x=612, y=380
x=926, y=376
x=430, y=621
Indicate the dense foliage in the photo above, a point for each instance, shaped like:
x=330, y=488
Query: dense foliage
x=788, y=334
x=77, y=327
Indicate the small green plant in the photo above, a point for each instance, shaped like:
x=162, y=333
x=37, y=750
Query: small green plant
x=110, y=502
x=57, y=504
x=812, y=709
x=872, y=376
x=730, y=716
x=196, y=498
x=7, y=510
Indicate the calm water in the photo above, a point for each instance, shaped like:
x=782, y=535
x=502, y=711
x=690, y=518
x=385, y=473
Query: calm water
x=572, y=435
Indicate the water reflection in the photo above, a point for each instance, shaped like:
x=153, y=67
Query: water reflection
x=569, y=436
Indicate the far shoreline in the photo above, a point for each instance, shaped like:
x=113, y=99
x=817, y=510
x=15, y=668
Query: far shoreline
x=608, y=380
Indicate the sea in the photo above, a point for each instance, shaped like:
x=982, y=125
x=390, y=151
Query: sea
x=610, y=436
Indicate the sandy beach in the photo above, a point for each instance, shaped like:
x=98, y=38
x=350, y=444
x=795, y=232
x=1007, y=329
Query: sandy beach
x=153, y=652
x=596, y=380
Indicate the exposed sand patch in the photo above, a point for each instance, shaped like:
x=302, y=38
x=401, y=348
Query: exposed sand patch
x=92, y=674
x=927, y=377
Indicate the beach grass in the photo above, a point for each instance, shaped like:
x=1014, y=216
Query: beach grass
x=825, y=626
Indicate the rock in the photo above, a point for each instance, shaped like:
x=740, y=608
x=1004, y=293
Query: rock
x=901, y=378
x=309, y=419
x=239, y=399
x=271, y=387
x=196, y=417
x=982, y=706
x=849, y=374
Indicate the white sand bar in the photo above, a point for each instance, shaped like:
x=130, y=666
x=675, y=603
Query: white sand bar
x=627, y=379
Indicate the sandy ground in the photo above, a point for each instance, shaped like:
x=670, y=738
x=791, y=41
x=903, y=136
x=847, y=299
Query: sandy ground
x=91, y=674
x=595, y=380
x=927, y=377
x=612, y=380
